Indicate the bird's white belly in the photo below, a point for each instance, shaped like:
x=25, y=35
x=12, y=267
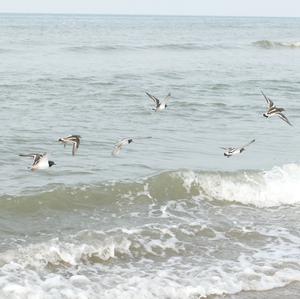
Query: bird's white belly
x=161, y=107
x=237, y=151
x=41, y=165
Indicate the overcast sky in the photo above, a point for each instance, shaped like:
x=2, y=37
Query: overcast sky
x=161, y=7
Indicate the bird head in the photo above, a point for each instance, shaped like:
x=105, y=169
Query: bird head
x=51, y=163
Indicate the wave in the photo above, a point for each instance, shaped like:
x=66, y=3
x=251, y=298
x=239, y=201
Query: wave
x=94, y=247
x=186, y=46
x=275, y=187
x=266, y=44
x=168, y=46
x=95, y=264
x=93, y=48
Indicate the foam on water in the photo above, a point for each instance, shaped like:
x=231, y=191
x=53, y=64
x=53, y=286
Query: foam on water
x=267, y=44
x=275, y=187
x=73, y=269
x=278, y=186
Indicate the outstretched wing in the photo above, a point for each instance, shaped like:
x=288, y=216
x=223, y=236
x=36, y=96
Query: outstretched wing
x=268, y=100
x=283, y=117
x=28, y=155
x=77, y=141
x=116, y=150
x=228, y=149
x=36, y=157
x=119, y=146
x=156, y=100
x=167, y=98
x=74, y=148
x=253, y=140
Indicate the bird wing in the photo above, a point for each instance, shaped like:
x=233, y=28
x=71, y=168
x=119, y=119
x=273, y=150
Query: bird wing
x=119, y=146
x=74, y=148
x=228, y=149
x=36, y=157
x=40, y=158
x=268, y=100
x=77, y=141
x=28, y=155
x=283, y=117
x=231, y=149
x=117, y=149
x=253, y=140
x=156, y=100
x=167, y=98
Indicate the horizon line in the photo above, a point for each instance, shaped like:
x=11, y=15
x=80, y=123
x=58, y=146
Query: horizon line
x=142, y=15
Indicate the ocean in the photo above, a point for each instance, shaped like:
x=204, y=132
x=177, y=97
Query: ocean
x=170, y=217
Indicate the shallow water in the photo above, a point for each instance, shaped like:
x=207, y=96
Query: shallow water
x=171, y=217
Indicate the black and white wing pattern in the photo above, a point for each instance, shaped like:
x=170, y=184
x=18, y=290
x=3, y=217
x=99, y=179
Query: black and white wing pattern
x=268, y=100
x=154, y=99
x=284, y=118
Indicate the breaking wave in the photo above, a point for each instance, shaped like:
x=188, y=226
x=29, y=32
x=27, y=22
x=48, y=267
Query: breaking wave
x=175, y=254
x=275, y=187
x=97, y=264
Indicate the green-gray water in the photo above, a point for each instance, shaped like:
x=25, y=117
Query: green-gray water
x=171, y=217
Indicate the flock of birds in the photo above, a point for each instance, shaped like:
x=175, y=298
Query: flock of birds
x=40, y=161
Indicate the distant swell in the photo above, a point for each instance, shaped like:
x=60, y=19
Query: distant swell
x=167, y=46
x=275, y=187
x=93, y=48
x=184, y=46
x=266, y=44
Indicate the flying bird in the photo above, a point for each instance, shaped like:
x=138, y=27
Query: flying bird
x=273, y=110
x=230, y=151
x=40, y=161
x=119, y=145
x=72, y=139
x=159, y=105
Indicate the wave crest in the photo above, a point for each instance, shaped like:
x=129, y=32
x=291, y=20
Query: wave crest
x=275, y=187
x=278, y=186
x=267, y=44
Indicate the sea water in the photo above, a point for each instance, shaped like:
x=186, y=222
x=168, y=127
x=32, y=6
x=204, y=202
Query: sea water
x=170, y=217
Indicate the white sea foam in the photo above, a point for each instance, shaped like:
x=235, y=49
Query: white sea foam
x=186, y=283
x=278, y=186
x=267, y=44
x=27, y=272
